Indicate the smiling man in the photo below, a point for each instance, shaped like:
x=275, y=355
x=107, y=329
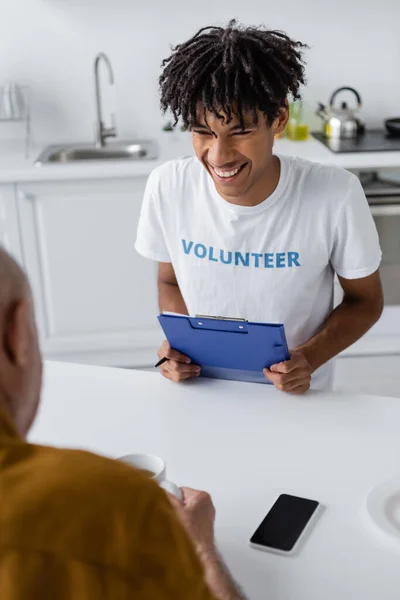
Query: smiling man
x=241, y=232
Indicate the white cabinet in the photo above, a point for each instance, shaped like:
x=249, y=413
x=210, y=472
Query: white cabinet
x=9, y=230
x=378, y=375
x=95, y=297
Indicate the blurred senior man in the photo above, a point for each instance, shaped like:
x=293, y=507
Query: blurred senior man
x=74, y=525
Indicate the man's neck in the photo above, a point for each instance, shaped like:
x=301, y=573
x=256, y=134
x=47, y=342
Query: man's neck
x=7, y=426
x=262, y=189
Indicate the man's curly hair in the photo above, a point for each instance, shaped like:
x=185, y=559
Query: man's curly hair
x=232, y=71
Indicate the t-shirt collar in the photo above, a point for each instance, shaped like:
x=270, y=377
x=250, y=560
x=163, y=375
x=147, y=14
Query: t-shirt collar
x=267, y=203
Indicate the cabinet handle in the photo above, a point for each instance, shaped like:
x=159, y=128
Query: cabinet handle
x=385, y=210
x=26, y=196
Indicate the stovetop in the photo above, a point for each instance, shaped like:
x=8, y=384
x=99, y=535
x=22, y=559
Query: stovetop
x=374, y=140
x=380, y=186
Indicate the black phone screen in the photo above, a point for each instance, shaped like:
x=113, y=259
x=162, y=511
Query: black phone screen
x=285, y=522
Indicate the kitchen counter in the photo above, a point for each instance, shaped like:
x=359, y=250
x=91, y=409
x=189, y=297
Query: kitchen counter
x=14, y=168
x=315, y=151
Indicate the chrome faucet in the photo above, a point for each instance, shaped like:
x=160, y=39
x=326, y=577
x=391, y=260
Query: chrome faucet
x=102, y=132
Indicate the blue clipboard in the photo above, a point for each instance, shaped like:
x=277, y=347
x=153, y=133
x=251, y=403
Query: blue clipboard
x=227, y=348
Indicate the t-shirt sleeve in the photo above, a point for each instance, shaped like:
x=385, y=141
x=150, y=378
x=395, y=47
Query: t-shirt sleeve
x=150, y=239
x=169, y=564
x=356, y=251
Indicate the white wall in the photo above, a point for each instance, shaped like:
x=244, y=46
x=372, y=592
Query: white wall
x=50, y=45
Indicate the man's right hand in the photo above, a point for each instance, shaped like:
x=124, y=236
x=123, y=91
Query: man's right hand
x=178, y=367
x=197, y=514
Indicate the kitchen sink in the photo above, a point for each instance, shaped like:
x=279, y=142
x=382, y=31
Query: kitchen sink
x=71, y=153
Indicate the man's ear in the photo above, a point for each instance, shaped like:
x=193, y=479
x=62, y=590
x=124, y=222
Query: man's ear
x=16, y=332
x=281, y=120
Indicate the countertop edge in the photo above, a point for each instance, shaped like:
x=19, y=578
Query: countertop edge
x=16, y=170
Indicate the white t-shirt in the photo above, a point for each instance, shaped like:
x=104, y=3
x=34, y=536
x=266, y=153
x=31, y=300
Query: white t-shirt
x=274, y=262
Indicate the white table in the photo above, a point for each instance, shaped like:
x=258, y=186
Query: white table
x=246, y=444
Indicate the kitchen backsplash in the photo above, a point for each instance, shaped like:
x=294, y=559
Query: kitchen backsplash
x=50, y=45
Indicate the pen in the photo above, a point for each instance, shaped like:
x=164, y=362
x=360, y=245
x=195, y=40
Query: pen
x=161, y=362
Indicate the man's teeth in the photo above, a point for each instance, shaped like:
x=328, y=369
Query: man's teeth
x=226, y=173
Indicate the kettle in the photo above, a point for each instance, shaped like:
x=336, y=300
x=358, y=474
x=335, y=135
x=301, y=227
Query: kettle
x=343, y=122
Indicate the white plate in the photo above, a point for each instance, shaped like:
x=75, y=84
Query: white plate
x=383, y=508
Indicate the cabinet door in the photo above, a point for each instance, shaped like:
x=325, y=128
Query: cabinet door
x=9, y=229
x=95, y=297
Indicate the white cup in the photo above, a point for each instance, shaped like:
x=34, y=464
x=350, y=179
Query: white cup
x=156, y=465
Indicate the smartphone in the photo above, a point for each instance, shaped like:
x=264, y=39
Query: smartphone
x=285, y=524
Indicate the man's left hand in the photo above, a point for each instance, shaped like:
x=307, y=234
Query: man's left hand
x=293, y=376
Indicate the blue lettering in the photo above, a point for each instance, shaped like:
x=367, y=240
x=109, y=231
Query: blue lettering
x=256, y=259
x=280, y=259
x=269, y=261
x=239, y=257
x=187, y=247
x=203, y=249
x=293, y=259
x=211, y=255
x=222, y=257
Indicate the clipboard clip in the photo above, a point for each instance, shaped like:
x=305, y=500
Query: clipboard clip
x=221, y=318
x=221, y=324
